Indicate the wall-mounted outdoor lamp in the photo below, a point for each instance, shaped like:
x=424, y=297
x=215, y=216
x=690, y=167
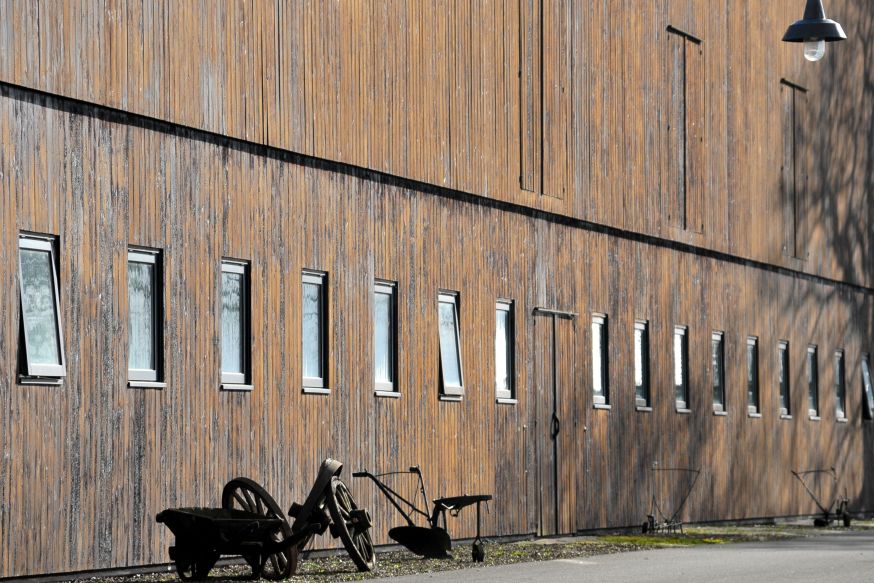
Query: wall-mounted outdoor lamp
x=814, y=30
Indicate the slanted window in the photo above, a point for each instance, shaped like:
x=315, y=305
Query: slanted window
x=384, y=336
x=144, y=315
x=235, y=324
x=600, y=384
x=783, y=364
x=641, y=364
x=681, y=369
x=43, y=346
x=450, y=344
x=840, y=386
x=717, y=357
x=752, y=375
x=868, y=405
x=505, y=366
x=812, y=383
x=314, y=331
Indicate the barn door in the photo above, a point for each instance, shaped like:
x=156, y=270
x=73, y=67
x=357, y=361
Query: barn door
x=555, y=451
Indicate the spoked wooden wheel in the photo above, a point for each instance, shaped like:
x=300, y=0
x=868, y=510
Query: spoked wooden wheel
x=245, y=494
x=351, y=524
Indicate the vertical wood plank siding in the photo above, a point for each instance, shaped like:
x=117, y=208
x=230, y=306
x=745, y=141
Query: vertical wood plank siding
x=448, y=145
x=414, y=89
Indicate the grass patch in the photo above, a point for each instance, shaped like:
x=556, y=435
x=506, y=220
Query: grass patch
x=658, y=540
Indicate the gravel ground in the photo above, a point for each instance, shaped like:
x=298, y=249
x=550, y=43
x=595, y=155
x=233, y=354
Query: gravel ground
x=401, y=562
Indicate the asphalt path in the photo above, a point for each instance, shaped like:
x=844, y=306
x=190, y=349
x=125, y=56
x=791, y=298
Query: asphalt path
x=844, y=557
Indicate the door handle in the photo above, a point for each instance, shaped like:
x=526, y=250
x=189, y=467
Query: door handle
x=556, y=426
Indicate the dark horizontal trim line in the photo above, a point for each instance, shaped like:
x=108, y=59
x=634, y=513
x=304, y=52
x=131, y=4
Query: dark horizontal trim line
x=119, y=116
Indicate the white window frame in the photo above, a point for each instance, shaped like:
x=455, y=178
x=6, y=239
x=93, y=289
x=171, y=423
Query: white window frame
x=450, y=297
x=840, y=370
x=149, y=257
x=812, y=362
x=642, y=326
x=42, y=243
x=867, y=388
x=510, y=391
x=784, y=364
x=753, y=375
x=600, y=394
x=718, y=336
x=388, y=288
x=681, y=404
x=319, y=278
x=237, y=378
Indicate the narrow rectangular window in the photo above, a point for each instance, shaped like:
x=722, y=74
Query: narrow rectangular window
x=752, y=375
x=812, y=383
x=840, y=386
x=235, y=325
x=681, y=368
x=600, y=386
x=867, y=388
x=717, y=357
x=40, y=308
x=314, y=330
x=144, y=315
x=641, y=364
x=384, y=336
x=504, y=350
x=783, y=364
x=450, y=344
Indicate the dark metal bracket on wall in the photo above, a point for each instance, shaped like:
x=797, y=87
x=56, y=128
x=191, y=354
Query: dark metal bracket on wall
x=684, y=34
x=554, y=312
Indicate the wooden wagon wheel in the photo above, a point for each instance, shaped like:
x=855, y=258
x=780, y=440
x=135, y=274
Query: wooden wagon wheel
x=351, y=525
x=245, y=494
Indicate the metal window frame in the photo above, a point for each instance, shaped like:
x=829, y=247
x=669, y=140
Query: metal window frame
x=682, y=332
x=717, y=339
x=235, y=378
x=600, y=319
x=812, y=368
x=783, y=377
x=150, y=257
x=507, y=306
x=46, y=243
x=389, y=288
x=753, y=375
x=450, y=297
x=643, y=327
x=840, y=370
x=320, y=279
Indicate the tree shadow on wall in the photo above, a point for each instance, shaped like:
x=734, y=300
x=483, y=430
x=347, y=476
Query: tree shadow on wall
x=835, y=215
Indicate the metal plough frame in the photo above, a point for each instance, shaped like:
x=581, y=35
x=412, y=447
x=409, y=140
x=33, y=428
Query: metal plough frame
x=657, y=520
x=839, y=499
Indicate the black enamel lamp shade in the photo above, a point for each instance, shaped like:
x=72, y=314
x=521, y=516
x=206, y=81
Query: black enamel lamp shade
x=814, y=26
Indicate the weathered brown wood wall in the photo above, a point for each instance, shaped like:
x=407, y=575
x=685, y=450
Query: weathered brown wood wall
x=554, y=104
x=428, y=91
x=91, y=462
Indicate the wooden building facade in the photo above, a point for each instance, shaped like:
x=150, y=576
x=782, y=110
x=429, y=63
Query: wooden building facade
x=648, y=196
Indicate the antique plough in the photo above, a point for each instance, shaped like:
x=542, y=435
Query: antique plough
x=430, y=541
x=662, y=519
x=250, y=524
x=839, y=500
